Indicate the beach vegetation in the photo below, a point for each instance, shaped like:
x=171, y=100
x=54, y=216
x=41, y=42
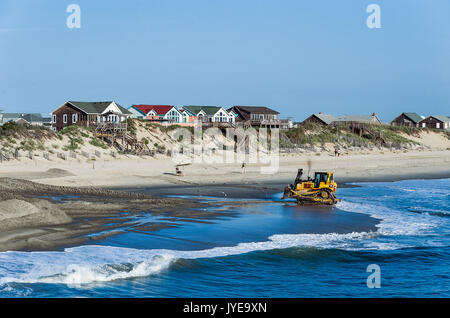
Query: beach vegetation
x=392, y=134
x=74, y=143
x=161, y=149
x=319, y=135
x=131, y=124
x=11, y=140
x=94, y=141
x=447, y=134
x=70, y=130
x=31, y=145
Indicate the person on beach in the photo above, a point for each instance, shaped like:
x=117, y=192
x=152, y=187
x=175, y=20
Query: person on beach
x=339, y=152
x=335, y=151
x=243, y=167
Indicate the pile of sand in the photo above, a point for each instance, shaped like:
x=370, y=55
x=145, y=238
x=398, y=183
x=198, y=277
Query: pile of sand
x=431, y=139
x=20, y=214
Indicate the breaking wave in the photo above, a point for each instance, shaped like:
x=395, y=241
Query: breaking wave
x=392, y=221
x=90, y=264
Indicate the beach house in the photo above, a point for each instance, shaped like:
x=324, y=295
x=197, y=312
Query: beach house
x=22, y=118
x=88, y=114
x=362, y=119
x=321, y=119
x=407, y=119
x=256, y=116
x=208, y=114
x=326, y=119
x=436, y=122
x=162, y=114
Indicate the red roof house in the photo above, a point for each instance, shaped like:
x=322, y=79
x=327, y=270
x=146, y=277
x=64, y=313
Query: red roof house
x=160, y=110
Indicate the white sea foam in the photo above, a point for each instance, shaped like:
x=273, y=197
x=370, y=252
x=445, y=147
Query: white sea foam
x=88, y=264
x=393, y=222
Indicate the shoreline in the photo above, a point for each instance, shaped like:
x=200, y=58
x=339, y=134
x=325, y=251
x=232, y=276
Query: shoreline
x=104, y=198
x=107, y=218
x=263, y=190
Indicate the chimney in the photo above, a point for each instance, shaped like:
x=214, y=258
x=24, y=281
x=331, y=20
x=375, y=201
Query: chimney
x=320, y=113
x=373, y=114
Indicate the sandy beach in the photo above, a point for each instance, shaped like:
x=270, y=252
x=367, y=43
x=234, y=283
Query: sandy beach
x=144, y=172
x=32, y=219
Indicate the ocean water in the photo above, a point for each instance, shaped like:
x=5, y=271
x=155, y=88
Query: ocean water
x=268, y=249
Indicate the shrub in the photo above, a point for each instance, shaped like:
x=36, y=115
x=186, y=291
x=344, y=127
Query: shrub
x=70, y=130
x=98, y=143
x=28, y=145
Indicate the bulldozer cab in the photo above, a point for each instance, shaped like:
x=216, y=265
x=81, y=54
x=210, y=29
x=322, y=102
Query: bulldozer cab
x=322, y=179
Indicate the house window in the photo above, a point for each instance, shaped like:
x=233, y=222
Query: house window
x=424, y=125
x=221, y=117
x=173, y=115
x=438, y=125
x=74, y=118
x=54, y=119
x=65, y=118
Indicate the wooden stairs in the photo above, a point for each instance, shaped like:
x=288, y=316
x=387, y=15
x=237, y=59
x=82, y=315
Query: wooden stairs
x=117, y=136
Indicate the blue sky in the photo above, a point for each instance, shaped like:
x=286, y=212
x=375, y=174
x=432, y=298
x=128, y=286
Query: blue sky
x=298, y=57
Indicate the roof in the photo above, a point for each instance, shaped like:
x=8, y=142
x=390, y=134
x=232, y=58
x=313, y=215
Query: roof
x=32, y=117
x=358, y=118
x=22, y=121
x=97, y=107
x=209, y=110
x=257, y=109
x=159, y=109
x=414, y=117
x=21, y=115
x=442, y=118
x=327, y=119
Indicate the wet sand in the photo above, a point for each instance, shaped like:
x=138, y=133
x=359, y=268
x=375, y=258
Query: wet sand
x=266, y=189
x=42, y=217
x=34, y=216
x=68, y=216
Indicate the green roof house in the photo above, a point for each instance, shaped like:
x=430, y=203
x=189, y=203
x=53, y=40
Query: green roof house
x=407, y=119
x=87, y=114
x=214, y=114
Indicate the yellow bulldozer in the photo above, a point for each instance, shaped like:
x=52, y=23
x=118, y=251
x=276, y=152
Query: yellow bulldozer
x=320, y=190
